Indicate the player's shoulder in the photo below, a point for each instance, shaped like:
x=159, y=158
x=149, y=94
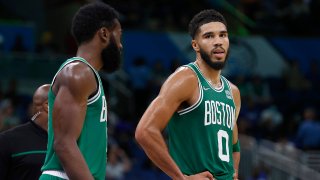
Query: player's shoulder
x=184, y=73
x=76, y=77
x=182, y=83
x=77, y=69
x=76, y=73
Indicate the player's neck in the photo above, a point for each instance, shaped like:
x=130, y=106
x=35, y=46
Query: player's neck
x=212, y=75
x=88, y=52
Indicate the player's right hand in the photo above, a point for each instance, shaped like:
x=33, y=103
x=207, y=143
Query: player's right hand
x=206, y=175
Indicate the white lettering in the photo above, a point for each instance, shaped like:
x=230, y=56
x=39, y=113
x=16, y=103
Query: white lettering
x=224, y=114
x=103, y=115
x=228, y=115
x=207, y=114
x=219, y=113
x=213, y=105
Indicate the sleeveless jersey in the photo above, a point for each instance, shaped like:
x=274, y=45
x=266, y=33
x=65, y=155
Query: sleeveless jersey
x=200, y=136
x=93, y=138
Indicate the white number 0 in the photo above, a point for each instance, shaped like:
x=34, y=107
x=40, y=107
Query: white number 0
x=223, y=134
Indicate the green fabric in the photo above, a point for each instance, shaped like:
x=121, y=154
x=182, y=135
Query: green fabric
x=236, y=147
x=200, y=136
x=92, y=141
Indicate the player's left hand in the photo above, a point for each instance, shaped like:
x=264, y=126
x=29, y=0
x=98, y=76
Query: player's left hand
x=235, y=175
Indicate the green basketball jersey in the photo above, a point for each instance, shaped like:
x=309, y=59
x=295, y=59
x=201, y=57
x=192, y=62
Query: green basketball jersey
x=93, y=138
x=200, y=136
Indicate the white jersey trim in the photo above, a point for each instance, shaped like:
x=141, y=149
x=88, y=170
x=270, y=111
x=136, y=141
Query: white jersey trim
x=195, y=105
x=215, y=89
x=229, y=87
x=97, y=95
x=56, y=173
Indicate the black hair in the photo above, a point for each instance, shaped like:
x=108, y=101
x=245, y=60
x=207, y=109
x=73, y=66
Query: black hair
x=90, y=18
x=204, y=17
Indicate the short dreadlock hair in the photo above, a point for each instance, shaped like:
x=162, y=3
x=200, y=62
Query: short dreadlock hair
x=204, y=17
x=90, y=18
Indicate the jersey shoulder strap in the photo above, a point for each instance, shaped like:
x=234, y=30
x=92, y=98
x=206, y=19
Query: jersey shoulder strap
x=68, y=61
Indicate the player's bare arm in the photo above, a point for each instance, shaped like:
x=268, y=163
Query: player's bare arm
x=73, y=85
x=181, y=86
x=236, y=155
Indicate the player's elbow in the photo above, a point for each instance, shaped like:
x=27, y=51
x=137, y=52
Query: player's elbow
x=141, y=135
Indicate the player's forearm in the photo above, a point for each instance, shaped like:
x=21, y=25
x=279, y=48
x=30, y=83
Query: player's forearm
x=156, y=149
x=72, y=161
x=236, y=160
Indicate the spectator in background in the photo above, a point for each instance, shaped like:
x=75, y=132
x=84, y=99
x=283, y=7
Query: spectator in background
x=269, y=123
x=294, y=77
x=296, y=84
x=259, y=91
x=308, y=136
x=11, y=93
x=8, y=119
x=23, y=148
x=249, y=116
x=118, y=164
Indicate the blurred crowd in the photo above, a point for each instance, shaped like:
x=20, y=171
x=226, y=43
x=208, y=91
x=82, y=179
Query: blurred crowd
x=244, y=17
x=279, y=109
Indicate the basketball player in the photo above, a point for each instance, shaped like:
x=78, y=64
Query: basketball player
x=77, y=104
x=199, y=107
x=23, y=148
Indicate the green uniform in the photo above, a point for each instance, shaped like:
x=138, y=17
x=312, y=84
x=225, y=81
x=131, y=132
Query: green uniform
x=92, y=140
x=200, y=136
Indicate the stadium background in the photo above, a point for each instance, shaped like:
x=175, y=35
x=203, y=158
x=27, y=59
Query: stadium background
x=274, y=61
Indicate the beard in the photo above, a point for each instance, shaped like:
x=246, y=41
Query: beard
x=111, y=56
x=214, y=65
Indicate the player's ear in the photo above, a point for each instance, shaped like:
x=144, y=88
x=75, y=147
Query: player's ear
x=195, y=45
x=45, y=106
x=104, y=34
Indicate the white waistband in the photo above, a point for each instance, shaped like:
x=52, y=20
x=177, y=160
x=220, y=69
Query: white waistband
x=59, y=174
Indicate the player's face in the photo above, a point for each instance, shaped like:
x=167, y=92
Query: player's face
x=213, y=43
x=111, y=55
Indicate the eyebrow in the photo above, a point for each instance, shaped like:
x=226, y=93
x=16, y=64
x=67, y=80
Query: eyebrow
x=211, y=32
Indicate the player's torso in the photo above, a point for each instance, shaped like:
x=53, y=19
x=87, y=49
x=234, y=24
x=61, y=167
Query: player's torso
x=93, y=138
x=200, y=136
